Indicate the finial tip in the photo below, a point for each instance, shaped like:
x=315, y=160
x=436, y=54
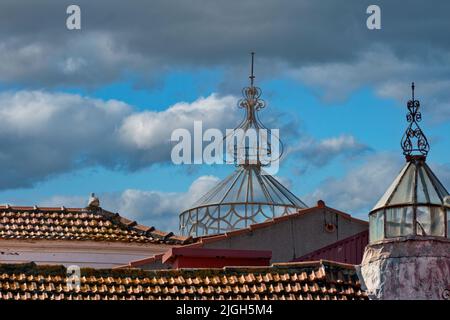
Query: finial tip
x=252, y=76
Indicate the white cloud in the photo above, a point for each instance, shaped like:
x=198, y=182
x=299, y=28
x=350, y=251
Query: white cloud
x=320, y=153
x=153, y=208
x=389, y=74
x=45, y=133
x=361, y=187
x=149, y=39
x=145, y=130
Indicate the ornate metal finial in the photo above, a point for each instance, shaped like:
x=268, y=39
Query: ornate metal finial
x=421, y=147
x=252, y=103
x=252, y=77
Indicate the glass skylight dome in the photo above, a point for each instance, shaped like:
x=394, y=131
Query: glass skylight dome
x=249, y=195
x=415, y=203
x=245, y=197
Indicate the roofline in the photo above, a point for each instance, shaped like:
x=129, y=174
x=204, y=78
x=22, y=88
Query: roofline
x=190, y=252
x=161, y=272
x=338, y=243
x=407, y=204
x=141, y=262
x=243, y=203
x=127, y=222
x=198, y=241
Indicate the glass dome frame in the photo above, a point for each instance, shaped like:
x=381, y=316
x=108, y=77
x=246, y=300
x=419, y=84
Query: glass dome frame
x=245, y=197
x=250, y=194
x=414, y=205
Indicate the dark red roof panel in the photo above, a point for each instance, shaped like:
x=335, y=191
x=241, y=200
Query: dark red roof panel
x=348, y=250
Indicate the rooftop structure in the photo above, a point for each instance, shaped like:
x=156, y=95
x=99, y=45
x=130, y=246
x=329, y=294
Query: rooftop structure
x=249, y=195
x=83, y=224
x=288, y=237
x=348, y=250
x=414, y=203
x=319, y=280
x=89, y=237
x=186, y=257
x=408, y=256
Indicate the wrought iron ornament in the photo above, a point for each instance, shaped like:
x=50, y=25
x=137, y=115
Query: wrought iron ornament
x=249, y=195
x=252, y=103
x=251, y=94
x=414, y=141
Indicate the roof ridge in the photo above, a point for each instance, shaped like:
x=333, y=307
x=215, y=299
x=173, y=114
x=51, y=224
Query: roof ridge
x=150, y=232
x=295, y=281
x=35, y=207
x=32, y=267
x=140, y=228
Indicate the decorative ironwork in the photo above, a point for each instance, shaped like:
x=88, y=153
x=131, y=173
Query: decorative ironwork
x=252, y=103
x=245, y=197
x=249, y=195
x=414, y=132
x=252, y=94
x=414, y=204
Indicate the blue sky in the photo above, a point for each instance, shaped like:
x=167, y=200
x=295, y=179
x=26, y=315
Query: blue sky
x=70, y=133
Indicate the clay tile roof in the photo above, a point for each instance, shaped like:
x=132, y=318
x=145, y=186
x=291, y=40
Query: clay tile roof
x=60, y=223
x=319, y=280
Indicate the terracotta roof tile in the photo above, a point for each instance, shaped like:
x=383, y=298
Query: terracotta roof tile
x=34, y=223
x=290, y=281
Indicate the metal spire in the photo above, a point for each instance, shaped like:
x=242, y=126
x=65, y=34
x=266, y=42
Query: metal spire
x=252, y=76
x=252, y=103
x=413, y=132
x=250, y=194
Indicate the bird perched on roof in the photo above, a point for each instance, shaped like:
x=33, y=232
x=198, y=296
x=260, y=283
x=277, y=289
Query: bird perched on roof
x=93, y=202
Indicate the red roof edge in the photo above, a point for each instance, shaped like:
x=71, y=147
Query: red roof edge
x=348, y=250
x=214, y=253
x=141, y=262
x=182, y=257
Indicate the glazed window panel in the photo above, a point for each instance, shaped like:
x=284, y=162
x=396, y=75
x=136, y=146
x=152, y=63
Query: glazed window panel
x=405, y=190
x=430, y=221
x=376, y=223
x=399, y=222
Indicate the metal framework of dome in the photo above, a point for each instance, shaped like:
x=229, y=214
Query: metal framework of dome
x=415, y=203
x=249, y=195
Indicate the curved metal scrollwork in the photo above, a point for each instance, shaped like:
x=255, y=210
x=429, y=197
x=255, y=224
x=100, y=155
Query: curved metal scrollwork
x=243, y=152
x=414, y=140
x=249, y=195
x=251, y=99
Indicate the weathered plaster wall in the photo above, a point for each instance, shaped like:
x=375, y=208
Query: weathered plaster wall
x=294, y=237
x=407, y=269
x=93, y=254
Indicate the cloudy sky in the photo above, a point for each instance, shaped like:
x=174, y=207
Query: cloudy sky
x=92, y=110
